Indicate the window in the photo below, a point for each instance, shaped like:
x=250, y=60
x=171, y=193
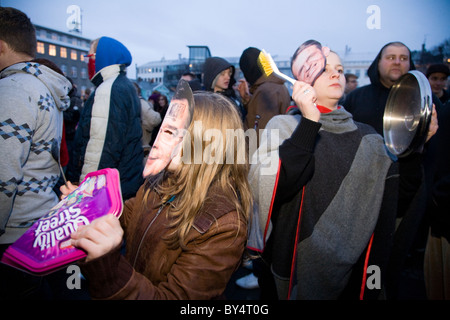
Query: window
x=73, y=54
x=83, y=73
x=63, y=52
x=73, y=72
x=52, y=50
x=64, y=69
x=40, y=47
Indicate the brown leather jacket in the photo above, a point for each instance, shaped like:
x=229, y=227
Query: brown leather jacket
x=150, y=270
x=270, y=97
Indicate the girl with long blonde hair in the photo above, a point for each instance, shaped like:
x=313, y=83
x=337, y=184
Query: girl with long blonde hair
x=186, y=229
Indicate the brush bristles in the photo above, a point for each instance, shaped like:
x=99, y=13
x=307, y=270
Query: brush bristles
x=264, y=62
x=268, y=67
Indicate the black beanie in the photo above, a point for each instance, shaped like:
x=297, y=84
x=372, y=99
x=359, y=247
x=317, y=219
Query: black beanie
x=440, y=67
x=249, y=65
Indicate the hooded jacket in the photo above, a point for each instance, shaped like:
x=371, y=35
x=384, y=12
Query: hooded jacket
x=109, y=133
x=212, y=68
x=367, y=103
x=33, y=98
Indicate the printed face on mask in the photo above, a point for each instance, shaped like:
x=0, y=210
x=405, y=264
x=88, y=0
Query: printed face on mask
x=170, y=136
x=309, y=61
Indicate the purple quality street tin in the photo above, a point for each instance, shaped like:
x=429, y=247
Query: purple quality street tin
x=45, y=247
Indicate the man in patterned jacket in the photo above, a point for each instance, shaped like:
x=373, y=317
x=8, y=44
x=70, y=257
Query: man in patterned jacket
x=32, y=101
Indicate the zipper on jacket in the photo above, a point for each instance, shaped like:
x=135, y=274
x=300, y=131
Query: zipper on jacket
x=148, y=227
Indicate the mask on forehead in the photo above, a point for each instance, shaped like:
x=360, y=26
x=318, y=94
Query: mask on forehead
x=309, y=61
x=168, y=142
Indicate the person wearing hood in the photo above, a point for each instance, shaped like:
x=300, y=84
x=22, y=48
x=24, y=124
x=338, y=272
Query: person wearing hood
x=33, y=98
x=218, y=76
x=367, y=105
x=266, y=97
x=109, y=132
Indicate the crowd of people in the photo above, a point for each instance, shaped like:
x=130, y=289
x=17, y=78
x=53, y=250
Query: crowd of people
x=338, y=204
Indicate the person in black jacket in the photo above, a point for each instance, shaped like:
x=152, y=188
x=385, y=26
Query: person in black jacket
x=437, y=75
x=367, y=105
x=218, y=76
x=437, y=253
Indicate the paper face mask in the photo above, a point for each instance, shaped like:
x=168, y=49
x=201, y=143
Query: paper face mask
x=309, y=61
x=168, y=143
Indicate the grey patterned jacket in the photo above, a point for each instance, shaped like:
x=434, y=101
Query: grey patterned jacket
x=32, y=98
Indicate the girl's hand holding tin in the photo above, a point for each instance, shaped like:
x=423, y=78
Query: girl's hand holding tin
x=98, y=238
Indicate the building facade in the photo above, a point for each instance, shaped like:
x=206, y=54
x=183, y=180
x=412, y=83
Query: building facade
x=67, y=51
x=167, y=72
x=155, y=75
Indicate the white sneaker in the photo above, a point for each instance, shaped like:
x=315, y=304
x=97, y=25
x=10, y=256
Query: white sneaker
x=248, y=282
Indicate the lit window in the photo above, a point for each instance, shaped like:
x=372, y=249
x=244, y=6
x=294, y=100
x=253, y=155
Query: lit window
x=52, y=50
x=63, y=52
x=73, y=54
x=40, y=47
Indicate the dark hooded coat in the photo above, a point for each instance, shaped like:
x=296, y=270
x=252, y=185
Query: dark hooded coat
x=367, y=105
x=212, y=68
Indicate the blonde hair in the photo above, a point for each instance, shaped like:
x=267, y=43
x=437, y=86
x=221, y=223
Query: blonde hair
x=190, y=182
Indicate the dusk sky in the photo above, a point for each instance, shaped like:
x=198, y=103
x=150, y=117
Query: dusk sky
x=155, y=29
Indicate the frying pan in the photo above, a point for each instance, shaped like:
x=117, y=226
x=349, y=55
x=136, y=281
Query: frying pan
x=407, y=114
